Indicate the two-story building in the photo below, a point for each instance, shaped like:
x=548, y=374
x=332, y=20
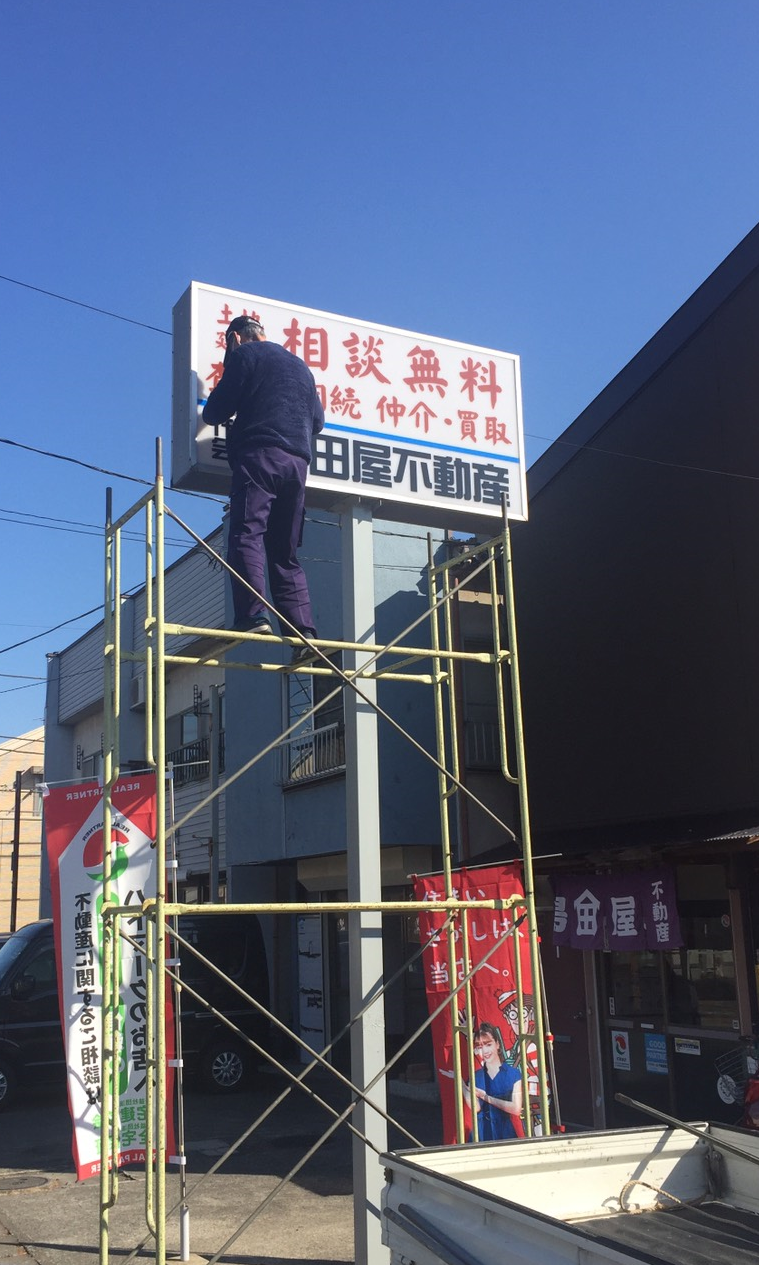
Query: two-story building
x=195, y=716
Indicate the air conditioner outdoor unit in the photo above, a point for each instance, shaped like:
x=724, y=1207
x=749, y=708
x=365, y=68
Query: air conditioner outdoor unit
x=137, y=692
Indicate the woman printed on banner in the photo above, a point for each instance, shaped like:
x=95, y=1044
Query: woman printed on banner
x=497, y=1088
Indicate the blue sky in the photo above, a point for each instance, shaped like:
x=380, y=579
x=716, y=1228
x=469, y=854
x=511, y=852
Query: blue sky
x=547, y=179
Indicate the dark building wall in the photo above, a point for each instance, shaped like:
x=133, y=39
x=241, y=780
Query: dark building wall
x=638, y=579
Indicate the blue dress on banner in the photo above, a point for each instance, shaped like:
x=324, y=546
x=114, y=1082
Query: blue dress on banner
x=492, y=1123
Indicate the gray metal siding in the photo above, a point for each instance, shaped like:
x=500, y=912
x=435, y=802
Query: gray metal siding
x=192, y=852
x=194, y=595
x=81, y=675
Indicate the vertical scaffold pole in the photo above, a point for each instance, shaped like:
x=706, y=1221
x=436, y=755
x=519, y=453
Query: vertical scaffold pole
x=524, y=810
x=445, y=791
x=149, y=634
x=108, y=1105
x=160, y=861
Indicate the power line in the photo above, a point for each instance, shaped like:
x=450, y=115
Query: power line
x=63, y=298
x=75, y=619
x=112, y=474
x=75, y=461
x=42, y=680
x=72, y=525
x=587, y=447
x=206, y=496
x=654, y=461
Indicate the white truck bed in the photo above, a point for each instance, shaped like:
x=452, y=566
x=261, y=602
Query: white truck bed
x=657, y=1195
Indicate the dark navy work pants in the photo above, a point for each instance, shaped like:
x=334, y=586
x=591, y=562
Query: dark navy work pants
x=265, y=525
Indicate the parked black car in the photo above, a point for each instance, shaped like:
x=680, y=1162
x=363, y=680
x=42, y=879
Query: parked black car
x=31, y=1040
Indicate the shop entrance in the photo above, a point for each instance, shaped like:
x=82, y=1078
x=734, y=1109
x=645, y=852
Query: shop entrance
x=671, y=1033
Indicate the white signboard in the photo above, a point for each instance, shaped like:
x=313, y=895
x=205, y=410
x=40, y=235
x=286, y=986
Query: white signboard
x=426, y=430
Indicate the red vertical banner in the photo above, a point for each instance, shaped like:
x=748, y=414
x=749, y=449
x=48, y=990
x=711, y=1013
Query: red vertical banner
x=75, y=844
x=495, y=1018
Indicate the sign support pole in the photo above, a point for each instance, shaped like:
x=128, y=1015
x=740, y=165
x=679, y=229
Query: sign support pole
x=364, y=884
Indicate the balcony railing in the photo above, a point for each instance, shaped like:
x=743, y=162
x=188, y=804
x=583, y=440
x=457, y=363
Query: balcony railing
x=191, y=762
x=313, y=755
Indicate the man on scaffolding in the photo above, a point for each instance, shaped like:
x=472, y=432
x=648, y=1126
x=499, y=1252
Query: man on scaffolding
x=272, y=396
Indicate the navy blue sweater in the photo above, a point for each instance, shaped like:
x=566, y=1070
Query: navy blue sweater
x=274, y=396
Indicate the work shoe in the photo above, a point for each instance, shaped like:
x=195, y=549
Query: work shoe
x=303, y=655
x=259, y=624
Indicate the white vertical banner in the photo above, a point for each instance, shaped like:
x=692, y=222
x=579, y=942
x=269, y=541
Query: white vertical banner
x=74, y=831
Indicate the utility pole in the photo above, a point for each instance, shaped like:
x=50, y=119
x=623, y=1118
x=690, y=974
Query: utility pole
x=16, y=848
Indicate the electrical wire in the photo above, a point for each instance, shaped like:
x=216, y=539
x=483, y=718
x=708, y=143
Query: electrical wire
x=75, y=619
x=70, y=676
x=654, y=461
x=101, y=311
x=71, y=525
x=111, y=474
x=586, y=447
x=13, y=689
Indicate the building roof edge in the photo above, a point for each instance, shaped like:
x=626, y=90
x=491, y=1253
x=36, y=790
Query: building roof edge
x=728, y=277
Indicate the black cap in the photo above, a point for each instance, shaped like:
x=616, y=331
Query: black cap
x=244, y=324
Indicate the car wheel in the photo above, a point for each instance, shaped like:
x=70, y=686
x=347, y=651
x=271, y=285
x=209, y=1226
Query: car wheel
x=7, y=1084
x=225, y=1068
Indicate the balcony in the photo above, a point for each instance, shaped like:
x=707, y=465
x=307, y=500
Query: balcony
x=307, y=757
x=191, y=762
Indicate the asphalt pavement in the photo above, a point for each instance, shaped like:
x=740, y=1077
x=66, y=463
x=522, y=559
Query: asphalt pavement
x=47, y=1217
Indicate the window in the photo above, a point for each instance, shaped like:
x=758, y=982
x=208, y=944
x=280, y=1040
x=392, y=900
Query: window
x=694, y=986
x=187, y=738
x=701, y=975
x=92, y=764
x=316, y=748
x=189, y=728
x=42, y=970
x=634, y=985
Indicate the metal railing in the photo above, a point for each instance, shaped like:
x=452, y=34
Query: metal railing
x=318, y=753
x=191, y=761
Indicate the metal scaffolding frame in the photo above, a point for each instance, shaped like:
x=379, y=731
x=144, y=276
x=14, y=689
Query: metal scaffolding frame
x=433, y=666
